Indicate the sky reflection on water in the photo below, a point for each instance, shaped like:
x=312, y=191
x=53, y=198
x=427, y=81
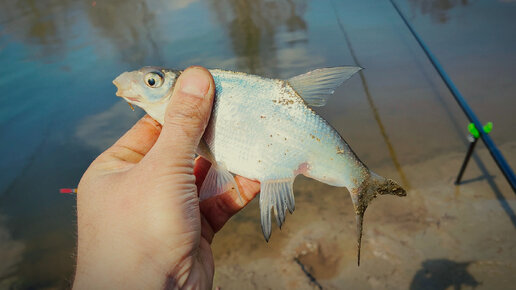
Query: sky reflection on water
x=58, y=110
x=438, y=10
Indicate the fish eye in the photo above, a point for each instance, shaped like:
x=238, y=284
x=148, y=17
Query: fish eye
x=154, y=79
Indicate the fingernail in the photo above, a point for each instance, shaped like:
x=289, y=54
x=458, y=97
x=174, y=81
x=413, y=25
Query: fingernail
x=196, y=82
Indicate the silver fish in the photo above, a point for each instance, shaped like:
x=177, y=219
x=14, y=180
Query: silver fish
x=264, y=129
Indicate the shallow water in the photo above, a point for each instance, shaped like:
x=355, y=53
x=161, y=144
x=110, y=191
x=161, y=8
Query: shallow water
x=58, y=112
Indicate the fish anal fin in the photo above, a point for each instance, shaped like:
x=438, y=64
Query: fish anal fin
x=218, y=180
x=316, y=86
x=278, y=195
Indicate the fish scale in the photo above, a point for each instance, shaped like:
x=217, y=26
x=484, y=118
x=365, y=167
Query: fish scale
x=252, y=149
x=264, y=129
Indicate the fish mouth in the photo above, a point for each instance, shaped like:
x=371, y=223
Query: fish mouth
x=118, y=87
x=122, y=92
x=135, y=100
x=120, y=83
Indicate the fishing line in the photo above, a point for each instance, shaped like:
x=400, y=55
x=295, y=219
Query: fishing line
x=376, y=115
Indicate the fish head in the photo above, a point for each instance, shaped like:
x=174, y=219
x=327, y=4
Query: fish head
x=149, y=88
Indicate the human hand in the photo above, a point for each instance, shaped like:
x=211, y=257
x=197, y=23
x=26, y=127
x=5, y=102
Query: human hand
x=140, y=223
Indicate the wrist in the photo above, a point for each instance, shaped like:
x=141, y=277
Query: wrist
x=117, y=268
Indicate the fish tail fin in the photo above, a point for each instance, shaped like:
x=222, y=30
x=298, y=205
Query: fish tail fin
x=372, y=187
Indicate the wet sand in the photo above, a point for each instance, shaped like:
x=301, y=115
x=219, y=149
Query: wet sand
x=439, y=236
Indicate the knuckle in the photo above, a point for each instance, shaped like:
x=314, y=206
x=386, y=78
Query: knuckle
x=187, y=111
x=188, y=115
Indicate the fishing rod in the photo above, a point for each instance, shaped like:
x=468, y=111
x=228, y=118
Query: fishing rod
x=493, y=150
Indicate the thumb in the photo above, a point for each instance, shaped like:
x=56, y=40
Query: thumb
x=186, y=116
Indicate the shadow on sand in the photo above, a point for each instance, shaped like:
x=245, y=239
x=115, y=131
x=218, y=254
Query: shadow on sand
x=442, y=274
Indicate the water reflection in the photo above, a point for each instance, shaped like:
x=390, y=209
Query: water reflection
x=253, y=28
x=438, y=9
x=42, y=24
x=130, y=26
x=138, y=33
x=54, y=27
x=100, y=131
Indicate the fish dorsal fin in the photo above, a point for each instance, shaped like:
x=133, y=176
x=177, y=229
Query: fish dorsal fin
x=316, y=86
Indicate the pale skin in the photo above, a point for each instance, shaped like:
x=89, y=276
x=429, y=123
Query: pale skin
x=140, y=222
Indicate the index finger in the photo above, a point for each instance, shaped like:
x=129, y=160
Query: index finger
x=219, y=209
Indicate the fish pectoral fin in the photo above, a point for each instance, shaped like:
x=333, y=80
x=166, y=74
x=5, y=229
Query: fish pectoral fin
x=218, y=181
x=316, y=86
x=277, y=194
